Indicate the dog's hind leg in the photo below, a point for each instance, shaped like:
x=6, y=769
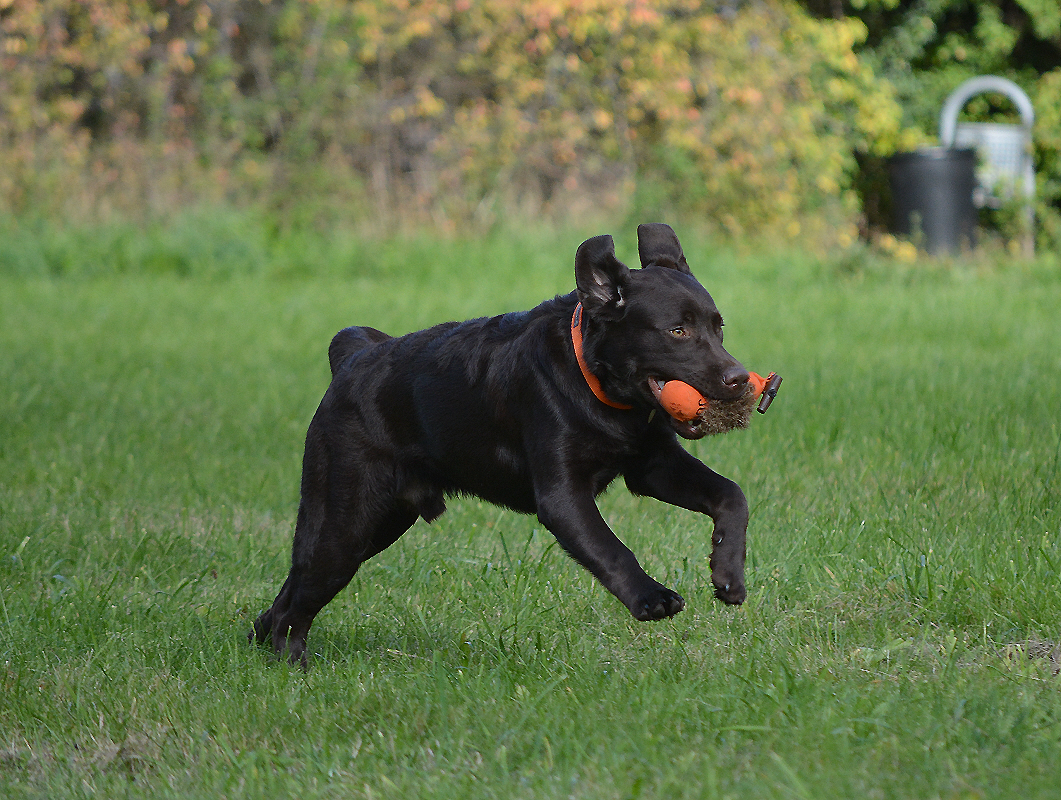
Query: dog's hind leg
x=325, y=557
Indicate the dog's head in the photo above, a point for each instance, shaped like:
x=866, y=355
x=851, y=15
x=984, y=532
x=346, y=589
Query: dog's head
x=651, y=325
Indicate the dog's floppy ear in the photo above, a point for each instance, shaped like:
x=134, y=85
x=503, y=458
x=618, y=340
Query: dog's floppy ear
x=600, y=278
x=658, y=246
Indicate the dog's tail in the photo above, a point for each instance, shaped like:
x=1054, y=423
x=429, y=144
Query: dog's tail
x=349, y=341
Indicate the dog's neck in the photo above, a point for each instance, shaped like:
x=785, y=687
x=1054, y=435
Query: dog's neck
x=591, y=379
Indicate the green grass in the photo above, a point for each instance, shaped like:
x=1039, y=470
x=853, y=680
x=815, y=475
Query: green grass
x=904, y=549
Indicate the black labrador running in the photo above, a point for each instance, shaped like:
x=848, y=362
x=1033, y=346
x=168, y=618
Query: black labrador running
x=506, y=409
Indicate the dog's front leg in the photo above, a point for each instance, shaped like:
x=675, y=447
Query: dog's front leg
x=571, y=514
x=670, y=474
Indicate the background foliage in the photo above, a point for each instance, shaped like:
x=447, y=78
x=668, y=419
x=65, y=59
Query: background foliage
x=742, y=114
x=745, y=114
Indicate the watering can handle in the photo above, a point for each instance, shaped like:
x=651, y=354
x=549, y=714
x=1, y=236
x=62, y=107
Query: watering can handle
x=948, y=117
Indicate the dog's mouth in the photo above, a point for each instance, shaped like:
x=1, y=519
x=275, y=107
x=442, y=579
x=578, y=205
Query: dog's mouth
x=712, y=417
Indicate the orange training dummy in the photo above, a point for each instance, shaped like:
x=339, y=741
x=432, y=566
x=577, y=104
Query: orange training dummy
x=684, y=403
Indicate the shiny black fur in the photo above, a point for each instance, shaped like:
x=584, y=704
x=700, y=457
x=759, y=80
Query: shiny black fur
x=499, y=409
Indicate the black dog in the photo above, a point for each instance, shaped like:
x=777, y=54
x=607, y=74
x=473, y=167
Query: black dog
x=500, y=408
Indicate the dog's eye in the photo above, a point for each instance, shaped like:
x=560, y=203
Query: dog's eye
x=679, y=332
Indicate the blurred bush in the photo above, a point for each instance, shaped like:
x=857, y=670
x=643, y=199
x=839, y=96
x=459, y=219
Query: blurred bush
x=742, y=114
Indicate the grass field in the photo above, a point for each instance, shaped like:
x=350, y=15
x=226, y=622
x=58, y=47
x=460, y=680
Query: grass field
x=900, y=638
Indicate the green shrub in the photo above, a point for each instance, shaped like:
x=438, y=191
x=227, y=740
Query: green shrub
x=744, y=116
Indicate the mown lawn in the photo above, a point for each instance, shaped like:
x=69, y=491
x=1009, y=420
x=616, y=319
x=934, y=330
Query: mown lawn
x=901, y=637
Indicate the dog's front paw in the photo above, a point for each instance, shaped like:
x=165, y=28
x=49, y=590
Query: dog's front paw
x=729, y=589
x=657, y=603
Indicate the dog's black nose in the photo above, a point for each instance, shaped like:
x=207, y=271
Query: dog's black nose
x=735, y=377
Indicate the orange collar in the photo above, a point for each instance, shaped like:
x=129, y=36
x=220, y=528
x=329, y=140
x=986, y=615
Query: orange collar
x=591, y=379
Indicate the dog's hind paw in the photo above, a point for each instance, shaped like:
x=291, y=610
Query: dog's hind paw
x=657, y=603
